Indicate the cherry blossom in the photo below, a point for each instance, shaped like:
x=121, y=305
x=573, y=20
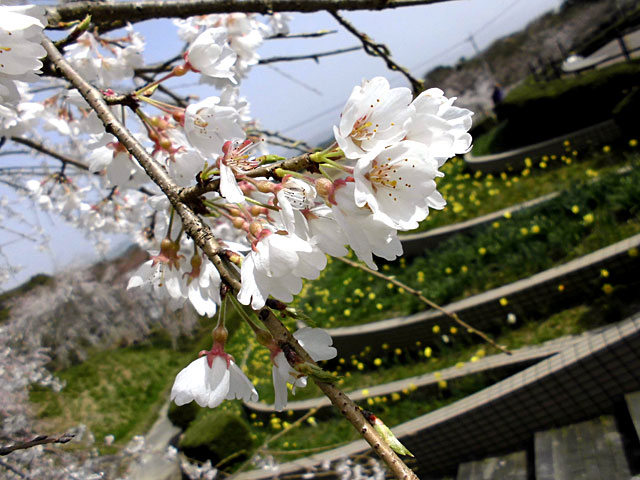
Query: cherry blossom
x=317, y=343
x=439, y=125
x=276, y=266
x=209, y=125
x=210, y=379
x=20, y=34
x=365, y=234
x=375, y=116
x=210, y=55
x=397, y=184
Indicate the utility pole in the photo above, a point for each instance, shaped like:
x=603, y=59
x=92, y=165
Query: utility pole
x=472, y=40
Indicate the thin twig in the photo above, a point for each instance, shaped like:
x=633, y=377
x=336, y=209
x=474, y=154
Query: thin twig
x=158, y=67
x=180, y=101
x=13, y=469
x=65, y=159
x=289, y=428
x=204, y=238
x=303, y=450
x=39, y=440
x=228, y=458
x=287, y=141
x=380, y=50
x=319, y=33
x=417, y=293
x=311, y=56
x=111, y=15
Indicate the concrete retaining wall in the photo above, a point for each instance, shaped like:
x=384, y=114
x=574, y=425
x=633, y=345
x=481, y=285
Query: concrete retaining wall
x=581, y=382
x=598, y=134
x=538, y=293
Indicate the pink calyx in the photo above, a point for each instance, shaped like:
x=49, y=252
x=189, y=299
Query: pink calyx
x=217, y=350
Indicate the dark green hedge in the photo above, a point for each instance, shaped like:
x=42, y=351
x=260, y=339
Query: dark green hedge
x=534, y=112
x=216, y=435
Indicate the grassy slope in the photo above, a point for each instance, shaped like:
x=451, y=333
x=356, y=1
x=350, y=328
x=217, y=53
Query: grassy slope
x=469, y=196
x=588, y=217
x=119, y=392
x=408, y=404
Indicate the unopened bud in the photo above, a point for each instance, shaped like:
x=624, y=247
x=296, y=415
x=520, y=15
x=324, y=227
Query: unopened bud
x=165, y=143
x=255, y=228
x=324, y=187
x=266, y=186
x=234, y=258
x=238, y=222
x=180, y=70
x=179, y=117
x=220, y=335
x=256, y=210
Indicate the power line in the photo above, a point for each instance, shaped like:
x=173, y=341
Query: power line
x=422, y=64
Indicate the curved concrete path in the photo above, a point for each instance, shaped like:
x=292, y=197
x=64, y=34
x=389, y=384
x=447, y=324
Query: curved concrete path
x=600, y=133
x=416, y=243
x=153, y=463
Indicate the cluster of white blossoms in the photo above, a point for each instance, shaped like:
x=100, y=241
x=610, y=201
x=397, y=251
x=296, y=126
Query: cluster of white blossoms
x=377, y=179
x=20, y=53
x=275, y=228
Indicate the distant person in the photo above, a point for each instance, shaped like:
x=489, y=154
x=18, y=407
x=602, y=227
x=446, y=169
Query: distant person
x=498, y=95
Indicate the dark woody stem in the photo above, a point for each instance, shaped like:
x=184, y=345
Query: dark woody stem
x=111, y=15
x=203, y=237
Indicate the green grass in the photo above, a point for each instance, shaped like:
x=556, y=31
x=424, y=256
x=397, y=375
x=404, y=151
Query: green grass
x=471, y=195
x=335, y=431
x=585, y=218
x=119, y=391
x=114, y=392
x=366, y=371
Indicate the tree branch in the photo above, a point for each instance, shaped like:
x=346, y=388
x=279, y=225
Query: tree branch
x=111, y=15
x=39, y=440
x=417, y=293
x=379, y=50
x=300, y=162
x=319, y=33
x=311, y=56
x=52, y=153
x=286, y=141
x=203, y=237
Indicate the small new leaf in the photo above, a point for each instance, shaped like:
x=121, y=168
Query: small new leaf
x=386, y=434
x=298, y=314
x=270, y=159
x=316, y=372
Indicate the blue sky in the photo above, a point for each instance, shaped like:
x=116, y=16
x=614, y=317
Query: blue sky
x=418, y=37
